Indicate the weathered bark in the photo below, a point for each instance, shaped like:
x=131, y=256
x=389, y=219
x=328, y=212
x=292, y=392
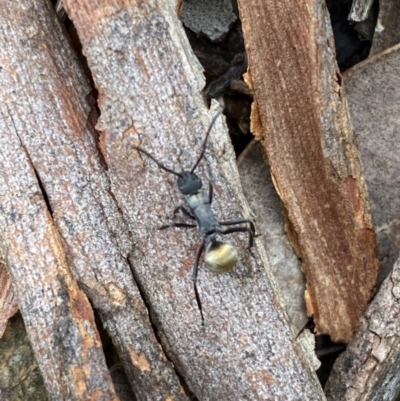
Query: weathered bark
x=48, y=145
x=8, y=302
x=369, y=368
x=57, y=315
x=308, y=139
x=149, y=84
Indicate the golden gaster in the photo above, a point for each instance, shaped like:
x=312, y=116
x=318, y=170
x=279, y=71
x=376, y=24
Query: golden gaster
x=221, y=257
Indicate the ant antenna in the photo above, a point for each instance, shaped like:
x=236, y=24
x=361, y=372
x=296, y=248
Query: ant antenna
x=206, y=138
x=160, y=165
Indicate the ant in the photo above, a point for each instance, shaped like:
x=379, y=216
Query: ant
x=220, y=256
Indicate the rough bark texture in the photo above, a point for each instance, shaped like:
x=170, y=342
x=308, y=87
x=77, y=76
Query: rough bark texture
x=48, y=149
x=369, y=368
x=314, y=163
x=149, y=84
x=57, y=315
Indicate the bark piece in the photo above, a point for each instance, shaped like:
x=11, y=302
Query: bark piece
x=314, y=164
x=359, y=10
x=368, y=369
x=387, y=32
x=149, y=84
x=212, y=18
x=374, y=104
x=8, y=302
x=265, y=203
x=47, y=126
x=57, y=315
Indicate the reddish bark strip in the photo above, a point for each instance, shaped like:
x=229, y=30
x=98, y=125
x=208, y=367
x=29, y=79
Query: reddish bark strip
x=315, y=165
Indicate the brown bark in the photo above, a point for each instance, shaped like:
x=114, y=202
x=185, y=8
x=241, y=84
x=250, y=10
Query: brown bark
x=149, y=84
x=308, y=139
x=48, y=149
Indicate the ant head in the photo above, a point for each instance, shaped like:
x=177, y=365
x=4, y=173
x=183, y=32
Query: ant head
x=189, y=183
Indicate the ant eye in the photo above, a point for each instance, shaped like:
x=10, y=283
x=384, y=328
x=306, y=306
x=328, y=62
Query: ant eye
x=221, y=257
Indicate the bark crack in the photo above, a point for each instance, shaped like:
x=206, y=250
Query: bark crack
x=153, y=324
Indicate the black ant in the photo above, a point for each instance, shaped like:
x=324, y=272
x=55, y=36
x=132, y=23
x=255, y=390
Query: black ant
x=220, y=256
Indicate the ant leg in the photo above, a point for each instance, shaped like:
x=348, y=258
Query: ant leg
x=210, y=193
x=194, y=279
x=241, y=221
x=178, y=225
x=185, y=212
x=241, y=230
x=181, y=225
